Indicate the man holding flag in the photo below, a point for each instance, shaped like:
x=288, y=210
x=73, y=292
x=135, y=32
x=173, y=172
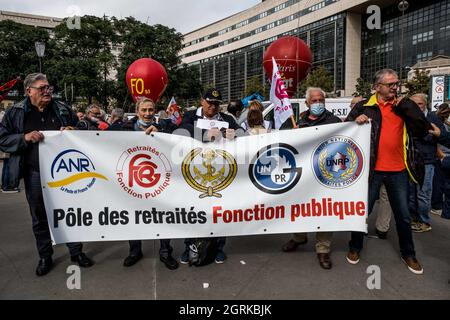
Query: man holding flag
x=279, y=97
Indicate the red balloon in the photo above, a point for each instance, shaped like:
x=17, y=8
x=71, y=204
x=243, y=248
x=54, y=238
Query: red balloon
x=294, y=59
x=146, y=78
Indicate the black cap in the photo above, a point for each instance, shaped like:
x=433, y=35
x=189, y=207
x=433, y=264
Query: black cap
x=213, y=95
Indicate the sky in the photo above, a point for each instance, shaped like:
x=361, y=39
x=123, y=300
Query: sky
x=183, y=15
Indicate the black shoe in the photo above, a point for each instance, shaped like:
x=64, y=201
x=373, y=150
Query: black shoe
x=44, y=267
x=82, y=260
x=381, y=234
x=169, y=261
x=132, y=259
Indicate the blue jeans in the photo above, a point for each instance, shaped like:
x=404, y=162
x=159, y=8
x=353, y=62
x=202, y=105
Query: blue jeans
x=396, y=184
x=5, y=174
x=437, y=196
x=33, y=191
x=420, y=198
x=446, y=206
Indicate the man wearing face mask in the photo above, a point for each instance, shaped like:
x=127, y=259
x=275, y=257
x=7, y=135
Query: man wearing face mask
x=146, y=121
x=316, y=115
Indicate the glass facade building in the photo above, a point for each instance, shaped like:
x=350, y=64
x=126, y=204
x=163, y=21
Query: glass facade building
x=425, y=26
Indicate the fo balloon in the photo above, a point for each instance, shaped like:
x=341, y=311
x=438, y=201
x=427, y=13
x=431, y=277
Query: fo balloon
x=146, y=78
x=294, y=59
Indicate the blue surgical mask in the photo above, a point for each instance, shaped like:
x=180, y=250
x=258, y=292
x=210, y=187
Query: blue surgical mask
x=317, y=108
x=143, y=124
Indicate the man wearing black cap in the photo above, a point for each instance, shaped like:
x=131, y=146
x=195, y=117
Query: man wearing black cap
x=210, y=111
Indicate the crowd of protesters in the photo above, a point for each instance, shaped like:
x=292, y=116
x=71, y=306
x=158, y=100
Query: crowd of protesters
x=405, y=185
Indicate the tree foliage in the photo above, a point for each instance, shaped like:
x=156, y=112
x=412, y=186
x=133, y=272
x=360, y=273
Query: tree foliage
x=420, y=83
x=17, y=51
x=319, y=77
x=363, y=88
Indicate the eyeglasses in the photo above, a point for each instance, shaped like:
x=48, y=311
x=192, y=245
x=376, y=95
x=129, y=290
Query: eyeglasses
x=391, y=85
x=44, y=89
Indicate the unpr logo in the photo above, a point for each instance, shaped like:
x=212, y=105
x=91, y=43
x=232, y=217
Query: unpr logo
x=73, y=172
x=274, y=169
x=143, y=172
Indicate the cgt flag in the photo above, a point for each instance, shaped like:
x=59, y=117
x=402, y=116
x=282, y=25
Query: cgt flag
x=174, y=111
x=4, y=89
x=279, y=97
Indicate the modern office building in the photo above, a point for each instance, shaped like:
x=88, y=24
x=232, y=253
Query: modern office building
x=340, y=34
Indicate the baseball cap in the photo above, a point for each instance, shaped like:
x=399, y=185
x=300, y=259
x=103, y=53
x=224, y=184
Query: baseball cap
x=213, y=95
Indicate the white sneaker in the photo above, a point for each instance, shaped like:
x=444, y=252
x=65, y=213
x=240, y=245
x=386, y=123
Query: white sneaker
x=436, y=212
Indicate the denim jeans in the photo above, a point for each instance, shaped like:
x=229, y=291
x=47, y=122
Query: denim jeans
x=420, y=198
x=164, y=251
x=396, y=184
x=33, y=191
x=5, y=174
x=437, y=196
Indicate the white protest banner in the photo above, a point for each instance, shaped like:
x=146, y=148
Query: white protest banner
x=104, y=186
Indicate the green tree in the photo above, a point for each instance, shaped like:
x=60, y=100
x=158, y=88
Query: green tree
x=363, y=88
x=140, y=40
x=17, y=51
x=420, y=83
x=319, y=77
x=254, y=84
x=82, y=58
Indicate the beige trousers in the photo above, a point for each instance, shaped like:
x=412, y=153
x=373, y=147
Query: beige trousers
x=323, y=240
x=383, y=210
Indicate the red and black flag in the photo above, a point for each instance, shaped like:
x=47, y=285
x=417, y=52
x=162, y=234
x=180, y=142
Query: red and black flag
x=4, y=89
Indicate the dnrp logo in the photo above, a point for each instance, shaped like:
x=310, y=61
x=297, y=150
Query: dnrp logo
x=143, y=172
x=73, y=172
x=274, y=169
x=337, y=162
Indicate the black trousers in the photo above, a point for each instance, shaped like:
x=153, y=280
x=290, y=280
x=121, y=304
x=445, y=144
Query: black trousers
x=165, y=250
x=33, y=191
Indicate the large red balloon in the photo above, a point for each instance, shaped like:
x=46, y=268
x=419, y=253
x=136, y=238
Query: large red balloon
x=146, y=78
x=294, y=59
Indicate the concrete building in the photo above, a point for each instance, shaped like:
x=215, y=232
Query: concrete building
x=229, y=52
x=48, y=23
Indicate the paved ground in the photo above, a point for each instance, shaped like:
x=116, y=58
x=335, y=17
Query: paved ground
x=267, y=273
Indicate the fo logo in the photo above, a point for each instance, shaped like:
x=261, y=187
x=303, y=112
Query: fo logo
x=274, y=169
x=209, y=171
x=143, y=172
x=73, y=172
x=337, y=162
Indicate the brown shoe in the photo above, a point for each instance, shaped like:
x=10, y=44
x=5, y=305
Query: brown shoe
x=291, y=245
x=324, y=260
x=352, y=257
x=413, y=265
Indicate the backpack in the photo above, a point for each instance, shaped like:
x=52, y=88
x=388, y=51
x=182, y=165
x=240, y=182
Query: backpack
x=415, y=162
x=203, y=251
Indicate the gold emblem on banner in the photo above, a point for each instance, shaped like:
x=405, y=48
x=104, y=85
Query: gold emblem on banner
x=217, y=171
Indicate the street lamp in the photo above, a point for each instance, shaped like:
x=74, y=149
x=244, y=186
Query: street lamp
x=40, y=49
x=402, y=6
